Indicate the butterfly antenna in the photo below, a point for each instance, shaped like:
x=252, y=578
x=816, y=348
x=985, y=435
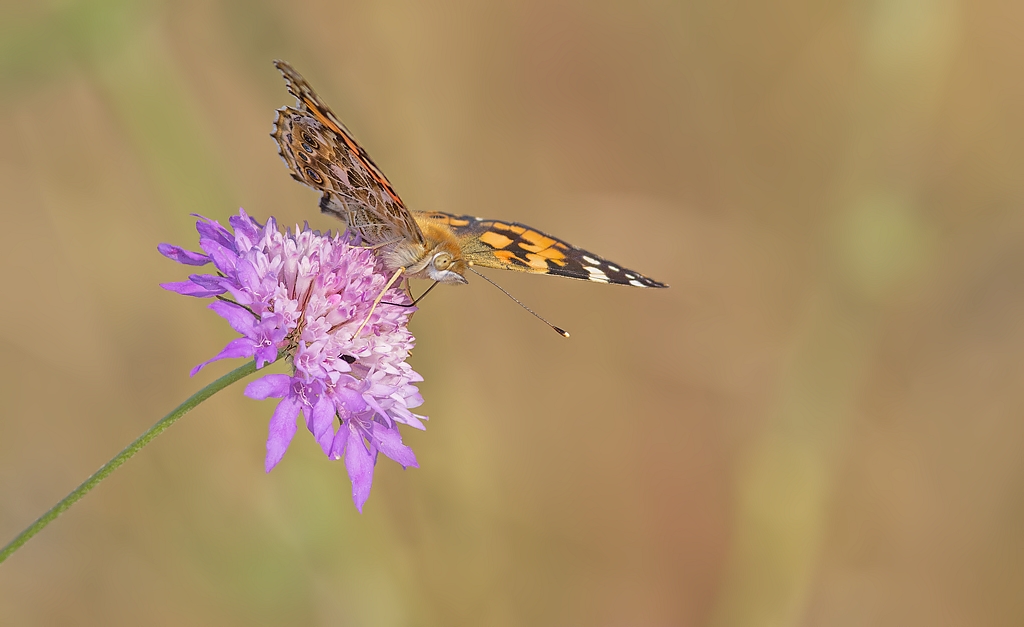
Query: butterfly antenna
x=558, y=330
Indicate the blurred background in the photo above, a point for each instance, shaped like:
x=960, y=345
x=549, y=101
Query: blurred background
x=819, y=423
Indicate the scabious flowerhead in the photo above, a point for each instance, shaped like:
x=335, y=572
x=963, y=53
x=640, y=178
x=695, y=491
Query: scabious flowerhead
x=304, y=296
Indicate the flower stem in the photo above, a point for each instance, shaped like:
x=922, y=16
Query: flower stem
x=124, y=455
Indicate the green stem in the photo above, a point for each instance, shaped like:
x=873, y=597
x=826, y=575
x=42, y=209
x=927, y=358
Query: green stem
x=124, y=455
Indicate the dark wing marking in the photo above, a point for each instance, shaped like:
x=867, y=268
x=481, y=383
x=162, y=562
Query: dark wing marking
x=511, y=246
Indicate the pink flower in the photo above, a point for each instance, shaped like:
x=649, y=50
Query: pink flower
x=306, y=295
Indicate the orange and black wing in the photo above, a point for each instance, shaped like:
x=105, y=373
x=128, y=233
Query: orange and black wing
x=511, y=246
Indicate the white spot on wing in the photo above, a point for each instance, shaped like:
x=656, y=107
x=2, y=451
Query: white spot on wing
x=596, y=274
x=637, y=283
x=591, y=260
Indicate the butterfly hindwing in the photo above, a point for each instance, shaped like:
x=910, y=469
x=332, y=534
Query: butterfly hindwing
x=513, y=246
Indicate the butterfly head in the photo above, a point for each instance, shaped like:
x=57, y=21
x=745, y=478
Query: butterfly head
x=437, y=260
x=444, y=265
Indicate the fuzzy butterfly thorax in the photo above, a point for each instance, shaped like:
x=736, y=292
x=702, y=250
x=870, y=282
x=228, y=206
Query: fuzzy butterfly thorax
x=321, y=153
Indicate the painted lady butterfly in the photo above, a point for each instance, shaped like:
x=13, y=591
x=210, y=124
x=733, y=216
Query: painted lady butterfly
x=321, y=153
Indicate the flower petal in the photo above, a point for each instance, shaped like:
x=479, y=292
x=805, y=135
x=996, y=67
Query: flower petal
x=224, y=257
x=189, y=288
x=209, y=281
x=389, y=442
x=281, y=431
x=349, y=399
x=321, y=421
x=179, y=254
x=245, y=226
x=265, y=355
x=212, y=230
x=340, y=440
x=269, y=386
x=237, y=316
x=240, y=347
x=359, y=463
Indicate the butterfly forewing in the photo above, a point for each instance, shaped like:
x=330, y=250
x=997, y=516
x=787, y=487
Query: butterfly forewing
x=321, y=153
x=512, y=246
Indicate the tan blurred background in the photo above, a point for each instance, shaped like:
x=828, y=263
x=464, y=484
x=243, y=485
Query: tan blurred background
x=819, y=423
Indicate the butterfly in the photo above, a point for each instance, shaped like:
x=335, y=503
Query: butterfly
x=321, y=153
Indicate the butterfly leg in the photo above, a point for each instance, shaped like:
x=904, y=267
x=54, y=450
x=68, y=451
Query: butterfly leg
x=408, y=291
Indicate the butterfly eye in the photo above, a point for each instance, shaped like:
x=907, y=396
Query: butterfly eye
x=442, y=261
